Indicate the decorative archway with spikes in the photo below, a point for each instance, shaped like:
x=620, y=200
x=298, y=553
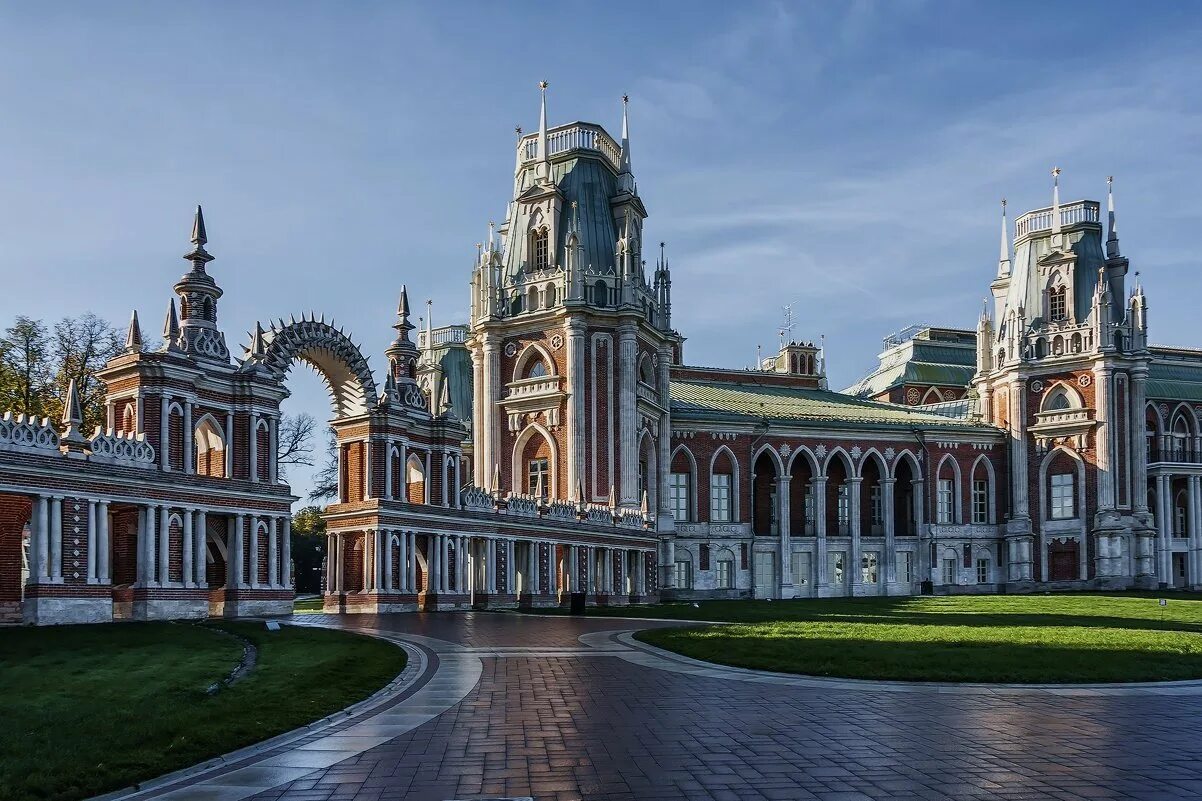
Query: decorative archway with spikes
x=325, y=348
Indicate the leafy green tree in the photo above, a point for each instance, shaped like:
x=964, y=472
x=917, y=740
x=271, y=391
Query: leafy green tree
x=308, y=548
x=26, y=372
x=82, y=346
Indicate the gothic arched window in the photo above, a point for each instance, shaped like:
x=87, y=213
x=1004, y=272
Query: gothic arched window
x=1058, y=303
x=539, y=249
x=537, y=370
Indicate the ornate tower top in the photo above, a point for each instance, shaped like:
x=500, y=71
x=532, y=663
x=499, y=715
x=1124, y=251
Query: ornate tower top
x=198, y=295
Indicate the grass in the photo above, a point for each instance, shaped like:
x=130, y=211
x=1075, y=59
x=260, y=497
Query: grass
x=304, y=606
x=89, y=709
x=1039, y=639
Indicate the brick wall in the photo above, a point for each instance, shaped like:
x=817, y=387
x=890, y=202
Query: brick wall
x=14, y=514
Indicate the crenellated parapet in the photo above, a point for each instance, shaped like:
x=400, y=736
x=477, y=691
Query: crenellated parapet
x=122, y=447
x=29, y=434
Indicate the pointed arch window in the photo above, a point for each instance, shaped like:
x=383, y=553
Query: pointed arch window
x=540, y=251
x=537, y=370
x=1058, y=303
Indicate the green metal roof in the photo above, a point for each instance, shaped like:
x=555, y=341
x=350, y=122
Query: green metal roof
x=1175, y=374
x=694, y=400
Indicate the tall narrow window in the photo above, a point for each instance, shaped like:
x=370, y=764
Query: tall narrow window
x=539, y=249
x=874, y=499
x=1058, y=303
x=720, y=498
x=678, y=489
x=982, y=571
x=905, y=566
x=944, y=498
x=949, y=571
x=684, y=575
x=1061, y=500
x=844, y=508
x=980, y=502
x=726, y=574
x=538, y=474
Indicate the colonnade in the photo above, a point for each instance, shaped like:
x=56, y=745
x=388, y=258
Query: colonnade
x=1179, y=528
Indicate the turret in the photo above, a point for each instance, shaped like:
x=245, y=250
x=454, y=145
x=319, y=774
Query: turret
x=198, y=294
x=402, y=354
x=984, y=341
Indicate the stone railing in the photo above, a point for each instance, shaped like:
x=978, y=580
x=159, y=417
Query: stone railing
x=447, y=335
x=574, y=137
x=1081, y=211
x=28, y=434
x=476, y=499
x=562, y=510
x=532, y=387
x=522, y=505
x=122, y=447
x=598, y=513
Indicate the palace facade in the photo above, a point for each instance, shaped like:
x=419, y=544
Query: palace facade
x=559, y=447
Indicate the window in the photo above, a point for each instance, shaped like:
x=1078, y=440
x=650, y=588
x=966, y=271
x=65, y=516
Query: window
x=678, y=491
x=980, y=502
x=726, y=574
x=1058, y=303
x=844, y=507
x=809, y=510
x=949, y=570
x=1061, y=503
x=538, y=474
x=539, y=249
x=874, y=501
x=905, y=566
x=982, y=571
x=720, y=498
x=1179, y=516
x=1058, y=401
x=944, y=497
x=684, y=574
x=868, y=567
x=836, y=558
x=801, y=568
x=538, y=369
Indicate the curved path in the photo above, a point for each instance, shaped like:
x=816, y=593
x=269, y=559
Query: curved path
x=560, y=708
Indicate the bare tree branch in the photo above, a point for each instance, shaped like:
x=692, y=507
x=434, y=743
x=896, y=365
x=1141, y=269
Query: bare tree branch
x=296, y=439
x=325, y=481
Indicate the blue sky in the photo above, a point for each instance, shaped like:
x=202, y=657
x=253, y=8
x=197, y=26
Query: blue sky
x=847, y=157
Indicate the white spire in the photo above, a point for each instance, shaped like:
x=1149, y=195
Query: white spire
x=1112, y=238
x=1003, y=266
x=544, y=154
x=625, y=135
x=1055, y=201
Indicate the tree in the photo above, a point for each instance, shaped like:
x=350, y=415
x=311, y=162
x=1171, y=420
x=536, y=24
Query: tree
x=25, y=368
x=308, y=548
x=325, y=481
x=296, y=439
x=82, y=346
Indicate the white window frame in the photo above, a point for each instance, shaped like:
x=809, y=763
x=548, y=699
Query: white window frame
x=726, y=574
x=535, y=467
x=720, y=497
x=1062, y=489
x=951, y=569
x=982, y=570
x=944, y=500
x=980, y=501
x=684, y=574
x=678, y=493
x=905, y=566
x=869, y=567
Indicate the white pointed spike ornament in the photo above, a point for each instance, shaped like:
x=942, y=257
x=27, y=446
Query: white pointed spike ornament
x=1055, y=201
x=133, y=337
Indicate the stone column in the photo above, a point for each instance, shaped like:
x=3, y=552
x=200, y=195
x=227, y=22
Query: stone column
x=164, y=545
x=785, y=530
x=200, y=552
x=235, y=568
x=382, y=557
x=1138, y=445
x=1018, y=450
x=552, y=570
x=478, y=417
x=575, y=331
x=39, y=540
x=486, y=413
x=888, y=512
x=1102, y=375
x=253, y=573
x=340, y=575
x=412, y=549
x=1165, y=526
x=854, y=521
x=273, y=553
x=818, y=483
x=56, y=540
x=189, y=458
x=92, y=542
x=286, y=558
x=103, y=570
x=145, y=566
x=404, y=468
x=253, y=447
x=388, y=496
x=663, y=443
x=273, y=439
x=509, y=568
x=368, y=568
x=165, y=434
x=429, y=482
x=229, y=444
x=331, y=556
x=187, y=541
x=1195, y=532
x=628, y=434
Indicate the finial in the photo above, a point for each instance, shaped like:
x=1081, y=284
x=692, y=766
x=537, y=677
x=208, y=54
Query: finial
x=72, y=416
x=1112, y=237
x=1055, y=201
x=445, y=407
x=402, y=325
x=1003, y=268
x=133, y=337
x=257, y=348
x=543, y=85
x=171, y=326
x=627, y=181
x=198, y=255
x=544, y=154
x=496, y=477
x=538, y=487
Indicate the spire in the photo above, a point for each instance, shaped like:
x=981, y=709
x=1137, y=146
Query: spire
x=429, y=354
x=257, y=348
x=198, y=255
x=496, y=477
x=445, y=407
x=517, y=168
x=1003, y=265
x=171, y=327
x=613, y=497
x=72, y=416
x=625, y=167
x=1112, y=238
x=544, y=154
x=402, y=325
x=1055, y=201
x=133, y=337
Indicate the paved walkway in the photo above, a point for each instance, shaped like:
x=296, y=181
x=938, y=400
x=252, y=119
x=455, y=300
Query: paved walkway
x=503, y=706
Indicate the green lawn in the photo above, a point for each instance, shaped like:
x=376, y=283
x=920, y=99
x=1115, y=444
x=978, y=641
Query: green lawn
x=307, y=606
x=89, y=709
x=1041, y=638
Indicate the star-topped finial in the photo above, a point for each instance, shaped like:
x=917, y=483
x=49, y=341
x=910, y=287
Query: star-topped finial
x=517, y=129
x=543, y=85
x=625, y=98
x=1056, y=173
